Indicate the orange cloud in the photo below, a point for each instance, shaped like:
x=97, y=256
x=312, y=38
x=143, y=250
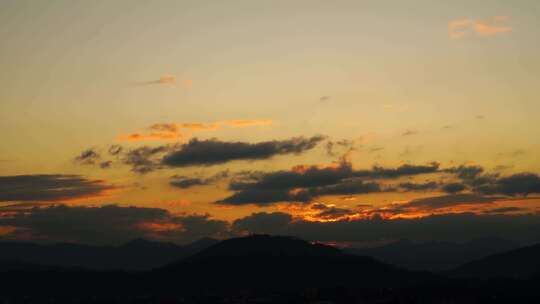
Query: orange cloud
x=161, y=226
x=167, y=79
x=462, y=27
x=172, y=131
x=105, y=193
x=5, y=230
x=197, y=126
x=151, y=136
x=241, y=123
x=486, y=29
x=458, y=28
x=321, y=212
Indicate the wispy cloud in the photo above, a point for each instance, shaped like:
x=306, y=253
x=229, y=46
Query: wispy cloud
x=409, y=132
x=169, y=80
x=150, y=136
x=464, y=27
x=176, y=131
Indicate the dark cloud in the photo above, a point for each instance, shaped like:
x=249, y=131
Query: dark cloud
x=88, y=157
x=313, y=176
x=518, y=184
x=448, y=201
x=453, y=188
x=246, y=194
x=427, y=186
x=53, y=187
x=473, y=176
x=114, y=224
x=521, y=184
x=145, y=159
x=141, y=159
x=347, y=187
x=194, y=227
x=466, y=173
x=185, y=182
x=109, y=224
x=197, y=152
x=264, y=197
x=92, y=157
x=212, y=151
x=262, y=222
x=302, y=184
x=298, y=177
x=344, y=145
x=106, y=164
x=318, y=206
x=403, y=170
x=115, y=150
x=505, y=210
x=446, y=227
x=333, y=213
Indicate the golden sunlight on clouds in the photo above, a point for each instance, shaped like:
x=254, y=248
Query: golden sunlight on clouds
x=172, y=131
x=150, y=136
x=323, y=212
x=161, y=226
x=241, y=123
x=408, y=209
x=90, y=198
x=463, y=27
x=167, y=79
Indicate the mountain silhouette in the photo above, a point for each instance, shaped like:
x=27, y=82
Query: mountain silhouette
x=253, y=269
x=138, y=254
x=518, y=264
x=267, y=246
x=434, y=255
x=261, y=261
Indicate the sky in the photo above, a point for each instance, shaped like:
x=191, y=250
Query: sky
x=349, y=121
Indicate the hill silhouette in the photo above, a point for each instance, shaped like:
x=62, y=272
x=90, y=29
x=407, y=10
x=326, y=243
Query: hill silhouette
x=138, y=254
x=519, y=264
x=267, y=246
x=261, y=261
x=434, y=255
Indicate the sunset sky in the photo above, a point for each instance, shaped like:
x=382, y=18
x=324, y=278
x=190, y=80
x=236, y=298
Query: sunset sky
x=346, y=121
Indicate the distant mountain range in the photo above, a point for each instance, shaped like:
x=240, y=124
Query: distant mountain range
x=141, y=254
x=259, y=267
x=518, y=264
x=138, y=254
x=434, y=256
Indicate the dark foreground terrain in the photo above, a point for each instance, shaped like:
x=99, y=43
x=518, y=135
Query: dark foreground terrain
x=265, y=269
